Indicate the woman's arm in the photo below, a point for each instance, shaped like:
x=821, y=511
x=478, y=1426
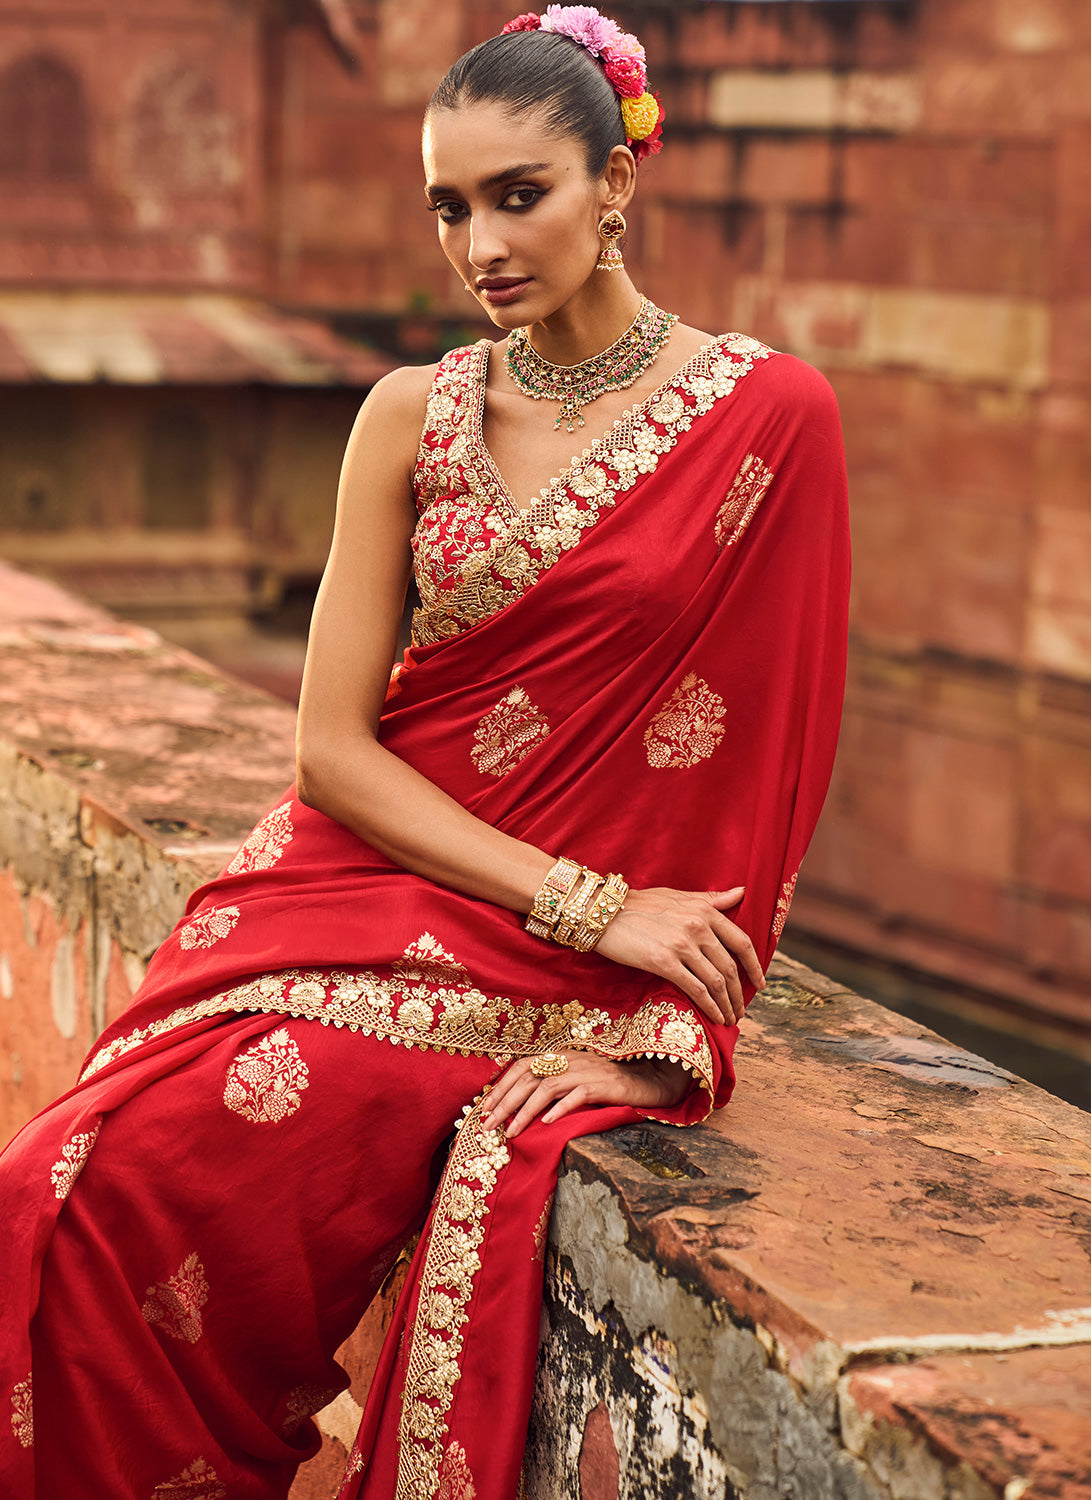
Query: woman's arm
x=344, y=772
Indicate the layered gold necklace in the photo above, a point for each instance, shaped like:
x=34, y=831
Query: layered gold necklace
x=576, y=386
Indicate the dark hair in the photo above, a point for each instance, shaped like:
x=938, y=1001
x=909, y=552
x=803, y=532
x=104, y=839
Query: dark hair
x=544, y=72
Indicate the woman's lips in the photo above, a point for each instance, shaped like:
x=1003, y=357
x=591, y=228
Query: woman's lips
x=499, y=292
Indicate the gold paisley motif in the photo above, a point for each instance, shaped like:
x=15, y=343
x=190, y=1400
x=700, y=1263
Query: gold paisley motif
x=22, y=1413
x=175, y=1305
x=784, y=903
x=507, y=734
x=265, y=1083
x=525, y=543
x=71, y=1161
x=265, y=845
x=742, y=500
x=688, y=727
x=208, y=927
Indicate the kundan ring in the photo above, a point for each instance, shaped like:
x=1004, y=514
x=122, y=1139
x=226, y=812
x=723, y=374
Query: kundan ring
x=548, y=1064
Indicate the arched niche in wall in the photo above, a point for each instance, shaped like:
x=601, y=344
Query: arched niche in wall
x=45, y=127
x=178, y=137
x=177, y=470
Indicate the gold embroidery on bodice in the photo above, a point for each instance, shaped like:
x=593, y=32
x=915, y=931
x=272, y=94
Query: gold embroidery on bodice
x=474, y=549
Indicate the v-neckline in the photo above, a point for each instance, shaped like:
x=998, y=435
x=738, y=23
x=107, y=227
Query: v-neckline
x=598, y=447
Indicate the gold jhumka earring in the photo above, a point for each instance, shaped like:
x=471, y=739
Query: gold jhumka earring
x=611, y=229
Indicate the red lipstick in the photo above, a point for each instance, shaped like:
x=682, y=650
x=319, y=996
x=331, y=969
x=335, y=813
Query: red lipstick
x=498, y=290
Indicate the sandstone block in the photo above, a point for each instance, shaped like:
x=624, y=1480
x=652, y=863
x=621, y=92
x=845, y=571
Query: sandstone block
x=962, y=805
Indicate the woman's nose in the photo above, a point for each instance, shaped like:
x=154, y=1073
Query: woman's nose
x=487, y=244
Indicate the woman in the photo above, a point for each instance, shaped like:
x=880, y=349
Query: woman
x=637, y=668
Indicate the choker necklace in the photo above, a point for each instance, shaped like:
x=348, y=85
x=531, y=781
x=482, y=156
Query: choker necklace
x=576, y=386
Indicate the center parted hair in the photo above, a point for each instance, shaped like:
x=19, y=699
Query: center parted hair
x=572, y=66
x=543, y=73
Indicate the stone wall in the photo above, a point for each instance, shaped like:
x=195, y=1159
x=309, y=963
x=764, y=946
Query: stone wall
x=867, y=1279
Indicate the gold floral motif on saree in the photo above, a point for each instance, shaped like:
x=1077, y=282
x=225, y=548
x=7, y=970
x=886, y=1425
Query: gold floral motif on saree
x=265, y=1083
x=784, y=904
x=197, y=1481
x=266, y=843
x=430, y=1004
x=175, y=1305
x=22, y=1413
x=742, y=500
x=207, y=928
x=447, y=1278
x=72, y=1160
x=688, y=727
x=507, y=734
x=463, y=582
x=455, y=1480
x=541, y=1231
x=303, y=1402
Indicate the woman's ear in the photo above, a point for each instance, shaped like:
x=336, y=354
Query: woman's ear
x=618, y=179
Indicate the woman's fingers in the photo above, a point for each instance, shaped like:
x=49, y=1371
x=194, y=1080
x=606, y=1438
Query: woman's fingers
x=718, y=973
x=738, y=944
x=696, y=990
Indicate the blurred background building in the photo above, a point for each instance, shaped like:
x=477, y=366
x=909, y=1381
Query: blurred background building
x=212, y=241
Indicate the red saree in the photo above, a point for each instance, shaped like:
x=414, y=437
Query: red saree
x=643, y=672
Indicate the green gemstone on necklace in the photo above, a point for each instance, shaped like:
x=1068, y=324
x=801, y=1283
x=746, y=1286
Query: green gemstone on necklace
x=576, y=386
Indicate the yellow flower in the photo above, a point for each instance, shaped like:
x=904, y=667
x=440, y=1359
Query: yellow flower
x=641, y=116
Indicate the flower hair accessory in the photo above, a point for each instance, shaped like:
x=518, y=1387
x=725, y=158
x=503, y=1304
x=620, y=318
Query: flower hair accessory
x=622, y=59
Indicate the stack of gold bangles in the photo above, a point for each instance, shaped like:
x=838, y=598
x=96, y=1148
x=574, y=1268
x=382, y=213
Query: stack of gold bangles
x=575, y=906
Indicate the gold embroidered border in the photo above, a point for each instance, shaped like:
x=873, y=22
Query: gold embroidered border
x=539, y=536
x=424, y=1006
x=451, y=1265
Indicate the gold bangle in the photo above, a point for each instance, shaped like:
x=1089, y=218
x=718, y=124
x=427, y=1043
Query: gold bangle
x=601, y=913
x=552, y=894
x=575, y=908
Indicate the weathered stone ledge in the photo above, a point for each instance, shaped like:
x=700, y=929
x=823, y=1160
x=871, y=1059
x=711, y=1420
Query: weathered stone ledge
x=867, y=1279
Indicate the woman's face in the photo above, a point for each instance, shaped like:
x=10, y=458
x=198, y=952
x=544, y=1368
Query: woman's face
x=518, y=213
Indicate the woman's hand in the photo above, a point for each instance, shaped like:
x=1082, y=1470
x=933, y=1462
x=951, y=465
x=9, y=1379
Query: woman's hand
x=684, y=936
x=518, y=1097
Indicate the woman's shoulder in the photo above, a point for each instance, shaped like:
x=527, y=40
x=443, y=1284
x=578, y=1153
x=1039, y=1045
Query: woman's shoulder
x=781, y=378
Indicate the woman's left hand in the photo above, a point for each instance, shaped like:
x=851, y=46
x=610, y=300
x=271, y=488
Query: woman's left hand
x=518, y=1097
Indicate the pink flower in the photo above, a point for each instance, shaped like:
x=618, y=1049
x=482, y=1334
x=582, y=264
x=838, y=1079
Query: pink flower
x=583, y=24
x=628, y=45
x=627, y=74
x=526, y=22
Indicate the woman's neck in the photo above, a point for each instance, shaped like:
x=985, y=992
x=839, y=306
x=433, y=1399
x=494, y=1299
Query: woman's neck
x=589, y=322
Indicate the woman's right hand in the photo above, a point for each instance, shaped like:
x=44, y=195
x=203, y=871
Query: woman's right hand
x=684, y=937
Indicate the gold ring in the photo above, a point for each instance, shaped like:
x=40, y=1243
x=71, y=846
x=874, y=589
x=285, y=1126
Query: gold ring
x=548, y=1065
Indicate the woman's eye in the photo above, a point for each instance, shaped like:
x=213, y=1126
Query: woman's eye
x=449, y=212
x=524, y=197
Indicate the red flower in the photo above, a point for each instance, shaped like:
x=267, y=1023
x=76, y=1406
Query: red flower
x=652, y=144
x=627, y=74
x=526, y=22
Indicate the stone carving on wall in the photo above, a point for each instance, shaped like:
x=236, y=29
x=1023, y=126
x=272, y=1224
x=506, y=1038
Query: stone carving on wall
x=177, y=137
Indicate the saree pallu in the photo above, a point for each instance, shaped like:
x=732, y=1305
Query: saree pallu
x=643, y=671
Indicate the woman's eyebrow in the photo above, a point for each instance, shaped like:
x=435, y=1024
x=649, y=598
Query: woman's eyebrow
x=508, y=174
